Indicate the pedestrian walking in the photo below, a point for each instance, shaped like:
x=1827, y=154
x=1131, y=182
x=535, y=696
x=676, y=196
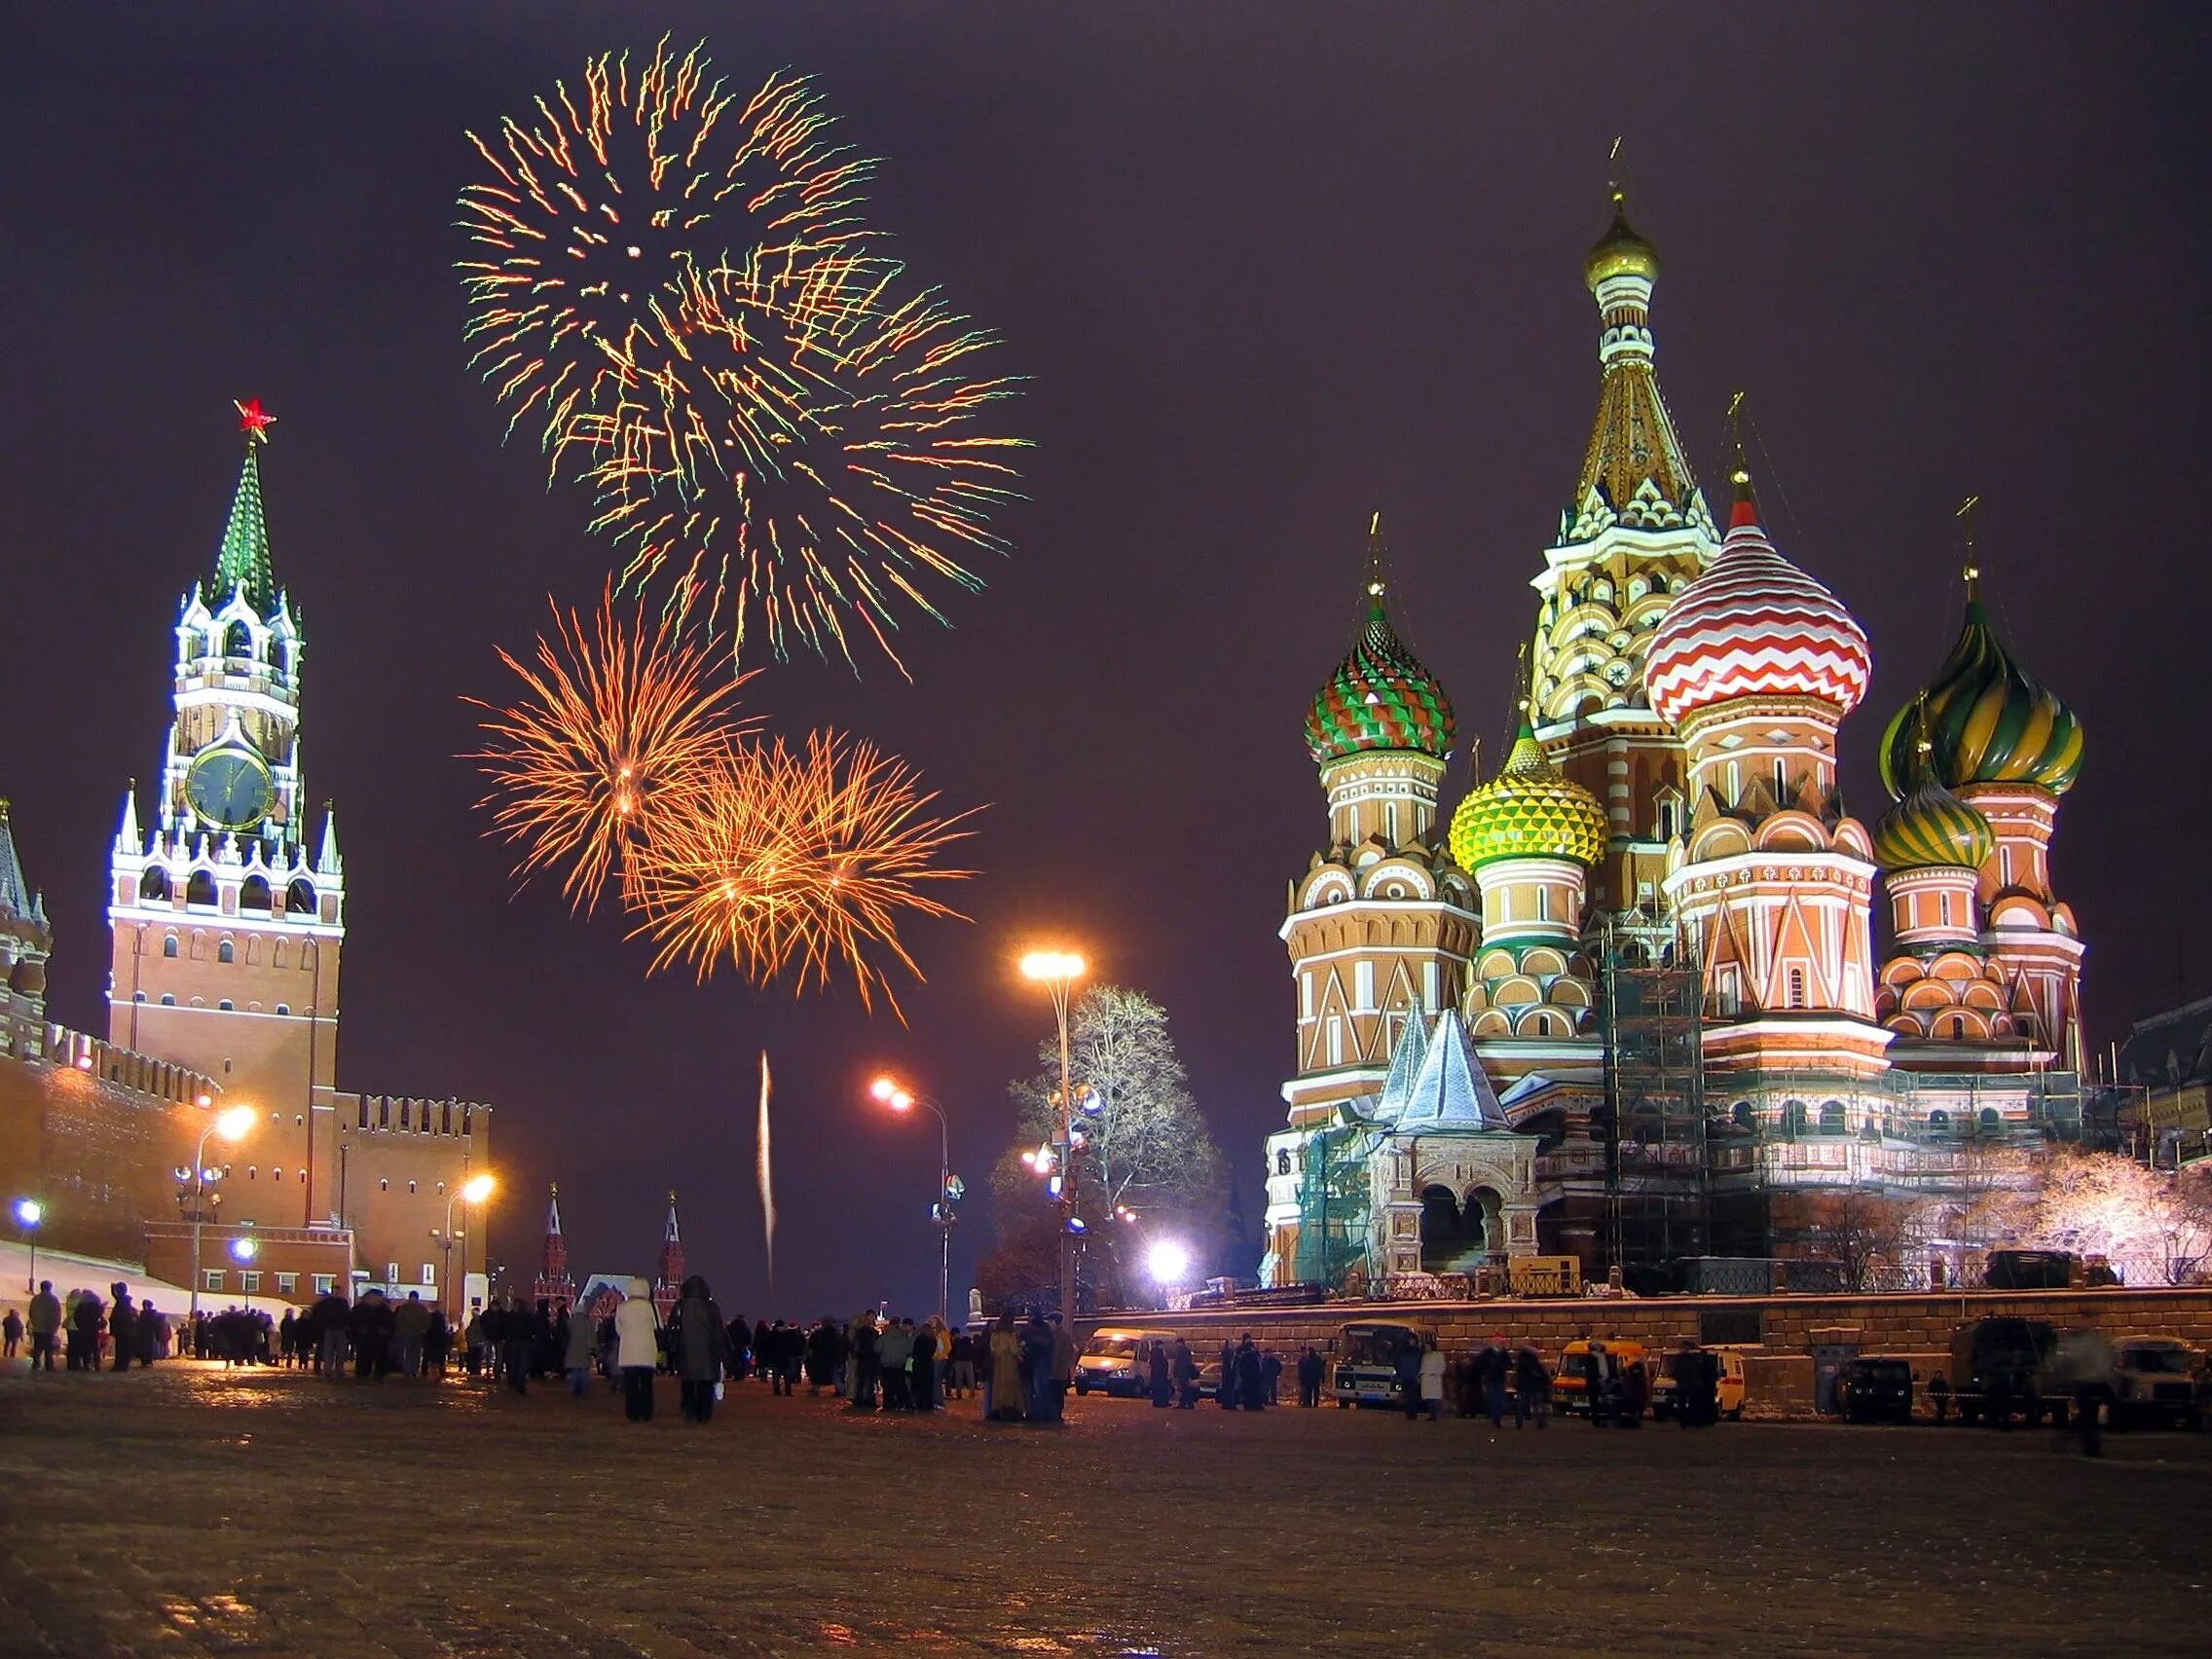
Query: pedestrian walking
x=1059, y=1375
x=1940, y=1397
x=1532, y=1388
x=637, y=1351
x=1001, y=1381
x=1406, y=1369
x=46, y=1325
x=12, y=1332
x=1431, y=1382
x=1157, y=1378
x=701, y=1340
x=1185, y=1364
x=576, y=1357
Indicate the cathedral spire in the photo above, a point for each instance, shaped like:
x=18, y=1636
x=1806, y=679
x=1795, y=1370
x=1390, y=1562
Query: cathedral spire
x=1634, y=472
x=15, y=893
x=128, y=838
x=243, y=563
x=668, y=1285
x=326, y=859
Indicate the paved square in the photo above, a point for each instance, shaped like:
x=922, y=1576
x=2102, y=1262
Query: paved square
x=184, y=1512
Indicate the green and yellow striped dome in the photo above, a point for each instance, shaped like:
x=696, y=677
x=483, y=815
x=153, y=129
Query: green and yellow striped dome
x=1380, y=697
x=1932, y=829
x=1527, y=811
x=1988, y=722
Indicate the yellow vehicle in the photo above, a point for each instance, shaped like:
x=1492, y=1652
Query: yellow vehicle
x=1730, y=1391
x=1587, y=1364
x=1544, y=1275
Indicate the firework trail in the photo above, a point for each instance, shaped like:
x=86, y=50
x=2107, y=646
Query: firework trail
x=766, y=1169
x=797, y=859
x=671, y=282
x=615, y=725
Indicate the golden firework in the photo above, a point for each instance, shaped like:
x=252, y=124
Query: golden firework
x=619, y=726
x=797, y=860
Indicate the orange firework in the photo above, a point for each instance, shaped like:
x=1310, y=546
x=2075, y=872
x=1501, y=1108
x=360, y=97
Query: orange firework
x=614, y=728
x=800, y=860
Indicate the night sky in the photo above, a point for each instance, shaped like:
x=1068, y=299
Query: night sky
x=1272, y=267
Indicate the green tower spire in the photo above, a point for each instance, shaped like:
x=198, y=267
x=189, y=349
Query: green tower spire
x=244, y=559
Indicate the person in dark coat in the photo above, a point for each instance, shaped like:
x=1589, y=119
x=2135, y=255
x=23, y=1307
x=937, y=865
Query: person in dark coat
x=1310, y=1373
x=86, y=1322
x=1185, y=1364
x=1532, y=1388
x=1251, y=1376
x=123, y=1328
x=1162, y=1388
x=1406, y=1367
x=151, y=1328
x=371, y=1325
x=700, y=1344
x=1225, y=1395
x=518, y=1343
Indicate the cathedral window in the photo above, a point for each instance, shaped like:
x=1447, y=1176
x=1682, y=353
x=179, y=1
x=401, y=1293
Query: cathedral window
x=169, y=1000
x=168, y=945
x=1938, y=1119
x=1958, y=1025
x=1945, y=905
x=283, y=1008
x=1781, y=783
x=1793, y=1119
x=1282, y=1161
x=238, y=641
x=1831, y=1118
x=226, y=1005
x=1796, y=988
x=1991, y=1119
x=410, y=1186
x=250, y=1173
x=1335, y=1041
x=383, y=1186
x=137, y=996
x=226, y=951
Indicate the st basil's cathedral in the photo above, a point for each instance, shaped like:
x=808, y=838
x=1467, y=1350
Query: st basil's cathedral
x=1630, y=1003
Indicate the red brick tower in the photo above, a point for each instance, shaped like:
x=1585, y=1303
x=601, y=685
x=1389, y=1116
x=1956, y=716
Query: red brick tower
x=668, y=1285
x=554, y=1286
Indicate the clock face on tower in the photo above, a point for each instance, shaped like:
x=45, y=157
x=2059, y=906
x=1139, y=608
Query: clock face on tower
x=230, y=787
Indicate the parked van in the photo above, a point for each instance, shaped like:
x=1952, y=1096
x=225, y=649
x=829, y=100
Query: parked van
x=2154, y=1381
x=1586, y=1364
x=1998, y=1368
x=1366, y=1368
x=1730, y=1392
x=1117, y=1361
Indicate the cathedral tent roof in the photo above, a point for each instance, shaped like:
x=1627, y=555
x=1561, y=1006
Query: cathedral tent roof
x=14, y=894
x=1451, y=1090
x=1405, y=1067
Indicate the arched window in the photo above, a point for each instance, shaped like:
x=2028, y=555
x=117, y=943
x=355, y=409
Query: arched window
x=410, y=1186
x=154, y=884
x=226, y=1005
x=276, y=954
x=275, y=1174
x=283, y=1008
x=1793, y=1119
x=1958, y=1025
x=279, y=656
x=298, y=898
x=1938, y=1119
x=1282, y=1161
x=237, y=642
x=1991, y=1118
x=1945, y=905
x=251, y=1173
x=137, y=996
x=1831, y=1118
x=255, y=893
x=1739, y=1115
x=1796, y=988
x=168, y=945
x=226, y=952
x=383, y=1186
x=200, y=889
x=169, y=999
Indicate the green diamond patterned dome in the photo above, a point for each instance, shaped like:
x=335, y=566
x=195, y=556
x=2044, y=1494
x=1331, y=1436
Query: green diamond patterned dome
x=1527, y=811
x=1380, y=697
x=1932, y=829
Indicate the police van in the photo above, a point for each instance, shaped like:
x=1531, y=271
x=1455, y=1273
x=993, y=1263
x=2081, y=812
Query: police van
x=1365, y=1371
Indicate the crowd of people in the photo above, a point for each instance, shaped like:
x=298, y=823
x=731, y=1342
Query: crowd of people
x=86, y=1333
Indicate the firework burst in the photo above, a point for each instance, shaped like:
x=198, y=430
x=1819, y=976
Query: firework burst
x=675, y=287
x=797, y=859
x=617, y=726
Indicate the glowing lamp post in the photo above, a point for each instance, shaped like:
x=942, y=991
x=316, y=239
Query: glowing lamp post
x=888, y=1091
x=29, y=1212
x=473, y=1191
x=242, y=1252
x=1059, y=971
x=1167, y=1262
x=231, y=1123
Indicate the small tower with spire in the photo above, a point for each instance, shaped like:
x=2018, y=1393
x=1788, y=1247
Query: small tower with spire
x=554, y=1287
x=667, y=1282
x=25, y=943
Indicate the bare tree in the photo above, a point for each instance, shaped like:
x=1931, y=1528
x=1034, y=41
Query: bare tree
x=1865, y=1234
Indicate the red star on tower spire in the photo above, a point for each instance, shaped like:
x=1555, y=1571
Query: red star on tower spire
x=253, y=421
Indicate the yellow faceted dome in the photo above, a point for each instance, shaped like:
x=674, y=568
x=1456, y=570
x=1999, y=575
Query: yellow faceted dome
x=1527, y=811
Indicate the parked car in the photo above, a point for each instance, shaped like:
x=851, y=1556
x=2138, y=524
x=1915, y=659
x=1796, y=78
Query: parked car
x=1874, y=1387
x=2154, y=1381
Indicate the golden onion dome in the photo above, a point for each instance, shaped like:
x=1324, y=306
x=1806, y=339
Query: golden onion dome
x=1527, y=811
x=1987, y=721
x=1620, y=251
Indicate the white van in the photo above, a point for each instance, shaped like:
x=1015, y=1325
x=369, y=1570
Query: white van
x=1364, y=1368
x=1117, y=1361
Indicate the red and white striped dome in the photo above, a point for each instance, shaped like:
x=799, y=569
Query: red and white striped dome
x=1754, y=625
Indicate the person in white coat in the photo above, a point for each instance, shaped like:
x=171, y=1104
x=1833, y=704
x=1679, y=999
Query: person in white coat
x=1432, y=1381
x=637, y=1351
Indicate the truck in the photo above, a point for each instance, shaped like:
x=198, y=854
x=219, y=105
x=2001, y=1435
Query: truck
x=1999, y=1367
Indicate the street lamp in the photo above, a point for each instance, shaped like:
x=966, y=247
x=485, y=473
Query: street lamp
x=888, y=1090
x=1059, y=971
x=242, y=1252
x=475, y=1189
x=29, y=1212
x=231, y=1124
x=1167, y=1262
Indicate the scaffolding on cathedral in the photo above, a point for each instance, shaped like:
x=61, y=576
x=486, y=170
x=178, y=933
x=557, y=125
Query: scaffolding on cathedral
x=1658, y=1172
x=1333, y=1205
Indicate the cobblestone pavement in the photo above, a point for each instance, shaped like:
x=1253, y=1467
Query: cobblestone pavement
x=183, y=1512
